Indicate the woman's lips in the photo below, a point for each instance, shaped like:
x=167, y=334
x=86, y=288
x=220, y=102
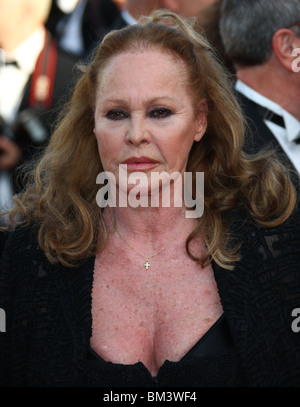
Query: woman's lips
x=140, y=163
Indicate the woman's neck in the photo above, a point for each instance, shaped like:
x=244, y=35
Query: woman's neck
x=145, y=221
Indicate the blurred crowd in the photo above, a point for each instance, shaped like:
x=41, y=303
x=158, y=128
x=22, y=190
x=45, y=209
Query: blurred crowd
x=41, y=42
x=79, y=24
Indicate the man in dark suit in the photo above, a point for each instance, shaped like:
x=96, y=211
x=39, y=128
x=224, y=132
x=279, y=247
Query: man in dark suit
x=34, y=75
x=79, y=28
x=259, y=37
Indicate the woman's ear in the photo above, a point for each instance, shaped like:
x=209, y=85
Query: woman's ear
x=201, y=120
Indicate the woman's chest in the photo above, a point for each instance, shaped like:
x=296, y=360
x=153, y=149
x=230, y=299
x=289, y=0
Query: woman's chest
x=152, y=317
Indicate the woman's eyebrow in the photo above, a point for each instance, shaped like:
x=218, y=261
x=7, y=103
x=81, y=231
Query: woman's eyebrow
x=151, y=100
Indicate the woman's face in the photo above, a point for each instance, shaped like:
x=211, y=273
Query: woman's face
x=144, y=114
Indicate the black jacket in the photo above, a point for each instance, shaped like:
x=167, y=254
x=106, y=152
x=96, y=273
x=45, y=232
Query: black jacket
x=259, y=135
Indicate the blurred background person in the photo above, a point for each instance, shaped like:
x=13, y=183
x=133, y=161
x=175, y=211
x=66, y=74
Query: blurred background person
x=209, y=21
x=59, y=9
x=188, y=8
x=133, y=9
x=34, y=74
x=78, y=24
x=259, y=37
x=207, y=13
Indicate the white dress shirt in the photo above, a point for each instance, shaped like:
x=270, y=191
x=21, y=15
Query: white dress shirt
x=285, y=136
x=128, y=17
x=13, y=79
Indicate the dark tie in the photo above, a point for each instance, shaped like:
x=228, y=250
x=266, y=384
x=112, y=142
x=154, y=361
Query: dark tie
x=275, y=118
x=297, y=139
x=12, y=63
x=271, y=116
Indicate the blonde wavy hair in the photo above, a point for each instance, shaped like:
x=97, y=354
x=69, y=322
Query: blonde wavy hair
x=61, y=197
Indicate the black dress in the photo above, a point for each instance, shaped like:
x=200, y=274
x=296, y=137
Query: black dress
x=212, y=361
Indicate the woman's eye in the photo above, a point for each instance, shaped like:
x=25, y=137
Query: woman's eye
x=116, y=115
x=160, y=113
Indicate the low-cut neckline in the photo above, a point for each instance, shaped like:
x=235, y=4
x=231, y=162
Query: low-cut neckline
x=140, y=364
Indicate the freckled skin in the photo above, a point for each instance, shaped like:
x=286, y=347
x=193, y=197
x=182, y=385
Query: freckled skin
x=151, y=316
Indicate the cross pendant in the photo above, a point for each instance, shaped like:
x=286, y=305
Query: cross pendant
x=147, y=264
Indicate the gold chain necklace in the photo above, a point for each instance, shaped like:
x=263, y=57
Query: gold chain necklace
x=147, y=264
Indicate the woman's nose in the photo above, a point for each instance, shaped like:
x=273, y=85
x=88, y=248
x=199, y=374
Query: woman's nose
x=137, y=132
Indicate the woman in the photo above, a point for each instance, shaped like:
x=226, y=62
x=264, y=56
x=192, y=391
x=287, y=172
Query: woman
x=127, y=295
